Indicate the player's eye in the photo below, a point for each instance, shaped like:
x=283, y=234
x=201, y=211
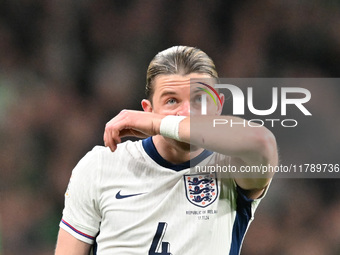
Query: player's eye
x=198, y=99
x=171, y=101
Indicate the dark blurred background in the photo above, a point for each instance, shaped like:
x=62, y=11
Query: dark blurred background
x=67, y=67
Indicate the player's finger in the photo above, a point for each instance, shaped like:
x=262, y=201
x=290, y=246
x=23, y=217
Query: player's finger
x=108, y=142
x=111, y=137
x=106, y=136
x=112, y=130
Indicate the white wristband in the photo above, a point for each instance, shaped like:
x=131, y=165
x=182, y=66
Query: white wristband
x=169, y=126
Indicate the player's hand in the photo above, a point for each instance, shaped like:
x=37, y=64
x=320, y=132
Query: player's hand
x=131, y=123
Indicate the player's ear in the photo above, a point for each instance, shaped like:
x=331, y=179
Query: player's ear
x=146, y=105
x=220, y=107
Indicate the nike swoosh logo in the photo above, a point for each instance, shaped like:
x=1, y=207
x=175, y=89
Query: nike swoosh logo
x=119, y=196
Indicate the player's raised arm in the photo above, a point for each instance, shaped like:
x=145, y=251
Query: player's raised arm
x=246, y=145
x=69, y=245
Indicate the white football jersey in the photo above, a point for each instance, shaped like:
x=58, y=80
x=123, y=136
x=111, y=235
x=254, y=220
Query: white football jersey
x=133, y=202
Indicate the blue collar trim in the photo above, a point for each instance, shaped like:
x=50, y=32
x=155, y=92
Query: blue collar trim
x=151, y=150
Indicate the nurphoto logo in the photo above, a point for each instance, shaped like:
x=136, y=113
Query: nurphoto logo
x=239, y=99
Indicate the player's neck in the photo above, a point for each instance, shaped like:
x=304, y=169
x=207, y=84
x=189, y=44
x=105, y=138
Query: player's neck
x=173, y=151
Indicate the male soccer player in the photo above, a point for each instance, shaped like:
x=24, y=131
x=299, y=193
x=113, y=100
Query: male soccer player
x=146, y=197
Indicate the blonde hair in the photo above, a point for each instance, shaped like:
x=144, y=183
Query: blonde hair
x=181, y=60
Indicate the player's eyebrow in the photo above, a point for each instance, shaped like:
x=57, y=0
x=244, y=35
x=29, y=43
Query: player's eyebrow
x=168, y=92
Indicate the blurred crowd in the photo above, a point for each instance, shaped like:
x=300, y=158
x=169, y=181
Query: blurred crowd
x=67, y=67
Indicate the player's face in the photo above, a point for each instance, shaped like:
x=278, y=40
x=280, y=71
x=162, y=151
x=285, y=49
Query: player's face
x=176, y=95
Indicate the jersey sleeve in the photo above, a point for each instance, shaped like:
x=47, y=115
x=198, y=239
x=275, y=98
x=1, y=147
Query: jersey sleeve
x=81, y=216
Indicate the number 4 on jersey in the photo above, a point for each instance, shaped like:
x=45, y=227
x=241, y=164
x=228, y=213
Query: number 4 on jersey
x=158, y=247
